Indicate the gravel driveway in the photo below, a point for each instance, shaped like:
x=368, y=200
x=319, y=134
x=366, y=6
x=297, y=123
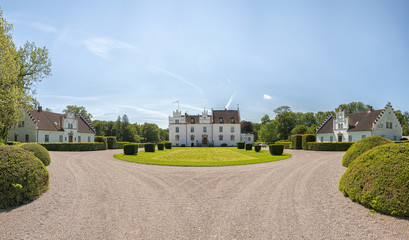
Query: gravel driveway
x=93, y=196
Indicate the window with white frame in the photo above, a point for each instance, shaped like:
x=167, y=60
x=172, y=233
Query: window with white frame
x=220, y=120
x=220, y=137
x=79, y=138
x=46, y=138
x=220, y=129
x=192, y=120
x=232, y=137
x=177, y=129
x=192, y=129
x=204, y=129
x=61, y=138
x=176, y=137
x=231, y=129
x=177, y=121
x=232, y=120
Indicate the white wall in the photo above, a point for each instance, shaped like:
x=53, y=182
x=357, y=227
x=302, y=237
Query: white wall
x=21, y=132
x=394, y=133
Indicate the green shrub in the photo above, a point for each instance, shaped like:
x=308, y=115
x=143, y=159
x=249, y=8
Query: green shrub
x=102, y=139
x=276, y=149
x=39, y=151
x=240, y=145
x=328, y=146
x=257, y=148
x=307, y=138
x=161, y=146
x=74, y=146
x=111, y=142
x=130, y=149
x=120, y=145
x=249, y=146
x=149, y=147
x=379, y=179
x=362, y=146
x=296, y=141
x=183, y=145
x=12, y=143
x=287, y=145
x=168, y=145
x=22, y=177
x=223, y=145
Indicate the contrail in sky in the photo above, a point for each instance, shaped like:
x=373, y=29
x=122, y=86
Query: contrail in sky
x=230, y=100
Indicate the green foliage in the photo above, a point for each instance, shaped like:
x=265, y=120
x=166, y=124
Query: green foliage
x=168, y=145
x=150, y=131
x=74, y=146
x=39, y=151
x=352, y=107
x=286, y=144
x=120, y=145
x=111, y=142
x=404, y=121
x=131, y=149
x=240, y=145
x=257, y=148
x=12, y=143
x=102, y=140
x=362, y=146
x=249, y=146
x=78, y=110
x=22, y=177
x=268, y=132
x=246, y=127
x=285, y=121
x=276, y=149
x=379, y=179
x=161, y=146
x=223, y=145
x=307, y=138
x=296, y=141
x=149, y=147
x=328, y=146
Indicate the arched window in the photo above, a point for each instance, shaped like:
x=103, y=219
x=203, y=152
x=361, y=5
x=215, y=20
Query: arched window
x=232, y=120
x=232, y=137
x=220, y=120
x=176, y=137
x=192, y=120
x=192, y=137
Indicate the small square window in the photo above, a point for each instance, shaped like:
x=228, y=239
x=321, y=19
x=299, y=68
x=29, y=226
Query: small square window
x=204, y=129
x=220, y=129
x=177, y=129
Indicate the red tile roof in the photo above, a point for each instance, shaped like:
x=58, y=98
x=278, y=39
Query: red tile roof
x=53, y=121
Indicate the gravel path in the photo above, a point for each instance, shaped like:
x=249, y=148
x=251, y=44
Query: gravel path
x=93, y=196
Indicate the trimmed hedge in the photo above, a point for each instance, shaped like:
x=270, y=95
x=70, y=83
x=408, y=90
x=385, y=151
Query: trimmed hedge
x=328, y=146
x=149, y=147
x=161, y=146
x=296, y=141
x=240, y=145
x=120, y=145
x=287, y=145
x=362, y=146
x=111, y=142
x=23, y=177
x=131, y=149
x=276, y=149
x=168, y=145
x=102, y=139
x=74, y=146
x=307, y=138
x=257, y=148
x=379, y=179
x=249, y=146
x=39, y=151
x=12, y=143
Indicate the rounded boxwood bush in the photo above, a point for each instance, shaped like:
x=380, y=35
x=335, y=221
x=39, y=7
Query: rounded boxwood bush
x=168, y=145
x=276, y=149
x=362, y=146
x=22, y=177
x=379, y=179
x=131, y=149
x=240, y=145
x=161, y=146
x=39, y=151
x=257, y=148
x=149, y=147
x=249, y=146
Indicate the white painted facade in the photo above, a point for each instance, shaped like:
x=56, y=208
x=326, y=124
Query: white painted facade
x=344, y=127
x=247, y=137
x=27, y=130
x=183, y=131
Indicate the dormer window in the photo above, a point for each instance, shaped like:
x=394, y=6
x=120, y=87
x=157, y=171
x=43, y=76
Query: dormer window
x=220, y=120
x=192, y=120
x=177, y=121
x=232, y=120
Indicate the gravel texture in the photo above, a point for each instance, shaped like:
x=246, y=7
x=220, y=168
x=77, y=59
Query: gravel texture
x=94, y=196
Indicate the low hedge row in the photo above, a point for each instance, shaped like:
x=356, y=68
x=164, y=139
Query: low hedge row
x=249, y=146
x=276, y=149
x=131, y=149
x=39, y=151
x=120, y=145
x=307, y=138
x=149, y=147
x=296, y=141
x=74, y=146
x=111, y=142
x=287, y=145
x=102, y=139
x=328, y=146
x=240, y=145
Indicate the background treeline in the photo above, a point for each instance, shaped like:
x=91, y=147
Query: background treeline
x=124, y=131
x=287, y=122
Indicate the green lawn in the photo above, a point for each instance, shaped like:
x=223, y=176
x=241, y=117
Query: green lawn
x=202, y=157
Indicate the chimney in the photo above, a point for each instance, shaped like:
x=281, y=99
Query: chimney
x=40, y=109
x=370, y=109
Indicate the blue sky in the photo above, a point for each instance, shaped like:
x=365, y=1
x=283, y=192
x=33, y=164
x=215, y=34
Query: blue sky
x=138, y=57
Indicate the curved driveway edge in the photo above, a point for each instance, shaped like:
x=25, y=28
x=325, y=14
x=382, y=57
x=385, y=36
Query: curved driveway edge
x=94, y=196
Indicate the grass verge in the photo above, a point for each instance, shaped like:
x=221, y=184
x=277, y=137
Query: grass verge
x=202, y=157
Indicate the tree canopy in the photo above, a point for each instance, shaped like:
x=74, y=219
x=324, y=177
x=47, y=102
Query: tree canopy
x=78, y=110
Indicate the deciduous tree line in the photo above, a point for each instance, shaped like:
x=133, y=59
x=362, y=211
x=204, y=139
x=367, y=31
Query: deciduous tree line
x=287, y=122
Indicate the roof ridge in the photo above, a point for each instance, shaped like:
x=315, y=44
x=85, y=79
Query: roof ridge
x=87, y=122
x=324, y=122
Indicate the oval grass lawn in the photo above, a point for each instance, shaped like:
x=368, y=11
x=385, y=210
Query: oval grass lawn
x=202, y=157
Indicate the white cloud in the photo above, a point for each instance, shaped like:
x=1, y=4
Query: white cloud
x=147, y=111
x=267, y=97
x=71, y=98
x=176, y=76
x=44, y=27
x=103, y=46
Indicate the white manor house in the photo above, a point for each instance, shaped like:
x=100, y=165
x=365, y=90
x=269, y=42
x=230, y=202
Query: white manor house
x=223, y=127
x=353, y=127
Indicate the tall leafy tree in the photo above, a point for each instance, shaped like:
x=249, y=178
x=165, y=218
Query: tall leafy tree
x=150, y=132
x=285, y=121
x=352, y=107
x=404, y=121
x=78, y=110
x=268, y=132
x=247, y=127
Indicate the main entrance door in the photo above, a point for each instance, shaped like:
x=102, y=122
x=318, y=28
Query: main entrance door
x=204, y=139
x=339, y=138
x=70, y=138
